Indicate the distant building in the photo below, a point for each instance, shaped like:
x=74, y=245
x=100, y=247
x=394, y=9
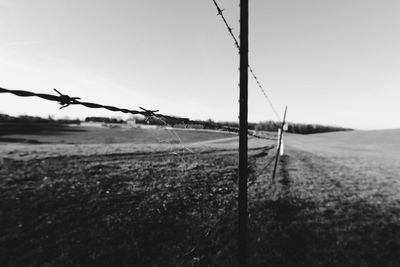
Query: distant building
x=103, y=120
x=92, y=124
x=131, y=122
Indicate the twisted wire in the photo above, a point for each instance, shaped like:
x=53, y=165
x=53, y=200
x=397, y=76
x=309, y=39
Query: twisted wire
x=66, y=100
x=236, y=42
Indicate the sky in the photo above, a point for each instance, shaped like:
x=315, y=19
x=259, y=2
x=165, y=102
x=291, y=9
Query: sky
x=331, y=62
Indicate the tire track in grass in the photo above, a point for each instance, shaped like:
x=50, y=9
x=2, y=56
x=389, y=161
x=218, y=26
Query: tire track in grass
x=276, y=235
x=316, y=214
x=362, y=230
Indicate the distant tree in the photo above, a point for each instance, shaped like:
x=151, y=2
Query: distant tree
x=103, y=119
x=299, y=128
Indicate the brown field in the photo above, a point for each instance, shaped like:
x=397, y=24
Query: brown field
x=335, y=202
x=46, y=133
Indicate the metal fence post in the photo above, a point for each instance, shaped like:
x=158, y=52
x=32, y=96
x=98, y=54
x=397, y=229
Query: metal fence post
x=243, y=124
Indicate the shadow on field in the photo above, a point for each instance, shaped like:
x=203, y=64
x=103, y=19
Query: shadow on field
x=290, y=231
x=34, y=128
x=38, y=130
x=118, y=211
x=19, y=140
x=149, y=210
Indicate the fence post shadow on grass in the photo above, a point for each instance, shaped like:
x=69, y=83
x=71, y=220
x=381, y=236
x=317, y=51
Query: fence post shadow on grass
x=278, y=149
x=276, y=236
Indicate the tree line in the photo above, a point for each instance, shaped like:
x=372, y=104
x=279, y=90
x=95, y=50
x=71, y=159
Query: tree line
x=270, y=126
x=299, y=128
x=35, y=119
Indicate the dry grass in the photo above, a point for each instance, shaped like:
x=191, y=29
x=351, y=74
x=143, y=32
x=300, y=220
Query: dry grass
x=334, y=203
x=103, y=135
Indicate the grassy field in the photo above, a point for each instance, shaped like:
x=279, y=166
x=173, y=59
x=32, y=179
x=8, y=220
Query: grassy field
x=148, y=205
x=46, y=133
x=346, y=189
x=335, y=202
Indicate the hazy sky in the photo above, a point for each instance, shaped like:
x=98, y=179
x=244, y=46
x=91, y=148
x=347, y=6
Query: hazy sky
x=333, y=62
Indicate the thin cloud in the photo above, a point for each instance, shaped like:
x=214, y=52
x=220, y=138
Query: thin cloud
x=29, y=42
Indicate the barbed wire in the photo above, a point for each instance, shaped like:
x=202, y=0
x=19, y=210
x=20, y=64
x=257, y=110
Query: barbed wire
x=66, y=100
x=236, y=42
x=230, y=29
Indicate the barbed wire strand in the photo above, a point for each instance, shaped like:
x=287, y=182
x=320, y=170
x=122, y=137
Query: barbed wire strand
x=66, y=100
x=174, y=134
x=236, y=42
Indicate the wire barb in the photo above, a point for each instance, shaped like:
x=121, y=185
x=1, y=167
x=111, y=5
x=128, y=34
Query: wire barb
x=230, y=29
x=66, y=100
x=220, y=11
x=149, y=113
